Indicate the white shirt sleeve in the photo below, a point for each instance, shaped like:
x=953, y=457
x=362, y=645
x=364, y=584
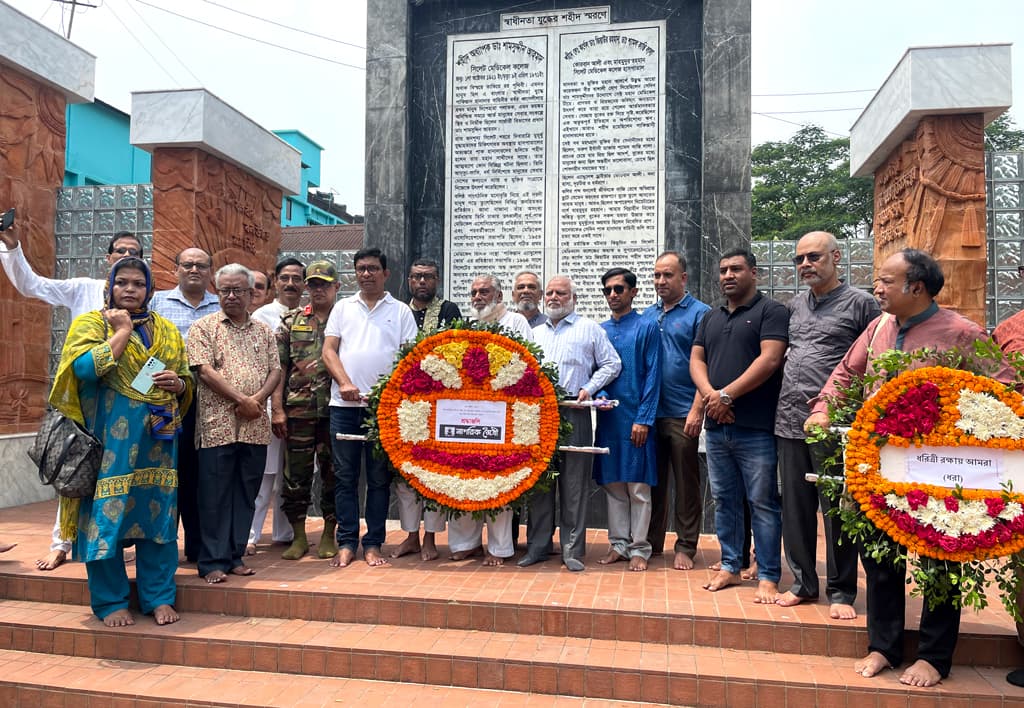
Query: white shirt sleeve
x=79, y=295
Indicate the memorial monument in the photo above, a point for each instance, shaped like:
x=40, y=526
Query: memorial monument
x=922, y=136
x=562, y=137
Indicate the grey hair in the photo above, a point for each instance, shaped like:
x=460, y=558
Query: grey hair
x=572, y=283
x=526, y=272
x=495, y=280
x=234, y=269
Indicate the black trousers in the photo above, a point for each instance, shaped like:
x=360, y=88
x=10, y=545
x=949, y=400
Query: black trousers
x=229, y=480
x=188, y=484
x=800, y=501
x=887, y=605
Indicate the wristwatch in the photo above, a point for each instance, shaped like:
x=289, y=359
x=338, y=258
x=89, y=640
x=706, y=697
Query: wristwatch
x=725, y=397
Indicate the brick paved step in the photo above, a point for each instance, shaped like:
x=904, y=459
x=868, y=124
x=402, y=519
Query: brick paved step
x=581, y=667
x=726, y=623
x=31, y=679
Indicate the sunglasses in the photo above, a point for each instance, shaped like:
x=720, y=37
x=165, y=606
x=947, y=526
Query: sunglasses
x=812, y=257
x=125, y=250
x=618, y=289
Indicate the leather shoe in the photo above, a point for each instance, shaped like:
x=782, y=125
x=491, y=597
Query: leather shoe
x=529, y=559
x=574, y=564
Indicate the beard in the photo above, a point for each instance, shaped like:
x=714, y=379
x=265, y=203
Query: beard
x=527, y=306
x=557, y=313
x=486, y=311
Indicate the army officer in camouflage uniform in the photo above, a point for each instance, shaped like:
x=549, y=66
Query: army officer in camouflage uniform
x=301, y=414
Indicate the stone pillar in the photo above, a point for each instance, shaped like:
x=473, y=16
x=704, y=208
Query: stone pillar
x=40, y=73
x=218, y=180
x=922, y=136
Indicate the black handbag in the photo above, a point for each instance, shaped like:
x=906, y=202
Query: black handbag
x=68, y=456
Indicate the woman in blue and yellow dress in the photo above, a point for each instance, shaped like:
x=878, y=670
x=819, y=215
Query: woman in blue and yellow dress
x=98, y=384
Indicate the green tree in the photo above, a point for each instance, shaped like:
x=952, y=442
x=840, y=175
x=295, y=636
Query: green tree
x=804, y=184
x=1002, y=135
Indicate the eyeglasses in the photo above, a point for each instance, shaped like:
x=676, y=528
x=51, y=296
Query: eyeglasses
x=369, y=269
x=237, y=292
x=812, y=257
x=618, y=289
x=194, y=266
x=481, y=291
x=422, y=276
x=126, y=251
x=289, y=279
x=317, y=284
x=260, y=286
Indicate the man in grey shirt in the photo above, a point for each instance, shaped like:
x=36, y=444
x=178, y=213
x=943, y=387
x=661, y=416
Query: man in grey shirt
x=823, y=322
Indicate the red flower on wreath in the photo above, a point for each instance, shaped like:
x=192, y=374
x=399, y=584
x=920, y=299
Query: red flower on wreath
x=416, y=380
x=915, y=412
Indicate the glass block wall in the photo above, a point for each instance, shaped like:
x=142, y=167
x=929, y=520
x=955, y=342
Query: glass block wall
x=777, y=274
x=1004, y=179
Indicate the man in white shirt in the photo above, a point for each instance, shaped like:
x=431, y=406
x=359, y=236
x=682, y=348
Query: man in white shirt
x=79, y=295
x=587, y=362
x=289, y=281
x=362, y=336
x=486, y=306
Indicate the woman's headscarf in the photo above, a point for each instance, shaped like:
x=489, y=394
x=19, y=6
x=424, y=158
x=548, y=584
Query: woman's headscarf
x=140, y=316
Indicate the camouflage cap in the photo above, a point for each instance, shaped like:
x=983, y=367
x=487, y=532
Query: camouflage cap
x=322, y=270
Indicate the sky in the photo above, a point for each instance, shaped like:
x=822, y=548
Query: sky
x=836, y=54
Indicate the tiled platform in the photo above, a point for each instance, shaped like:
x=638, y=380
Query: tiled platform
x=606, y=633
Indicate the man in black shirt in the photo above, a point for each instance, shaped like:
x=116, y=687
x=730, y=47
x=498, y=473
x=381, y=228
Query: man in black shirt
x=736, y=366
x=429, y=310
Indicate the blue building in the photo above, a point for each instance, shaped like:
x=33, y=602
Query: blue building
x=99, y=152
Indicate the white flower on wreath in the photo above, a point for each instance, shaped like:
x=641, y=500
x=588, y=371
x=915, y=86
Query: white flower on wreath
x=970, y=518
x=413, y=421
x=986, y=417
x=509, y=374
x=476, y=489
x=440, y=370
x=525, y=423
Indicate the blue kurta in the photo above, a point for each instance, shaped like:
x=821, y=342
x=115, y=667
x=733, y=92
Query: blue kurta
x=638, y=342
x=137, y=490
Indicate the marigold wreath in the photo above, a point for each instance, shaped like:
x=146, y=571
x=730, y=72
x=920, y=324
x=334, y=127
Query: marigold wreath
x=473, y=463
x=948, y=408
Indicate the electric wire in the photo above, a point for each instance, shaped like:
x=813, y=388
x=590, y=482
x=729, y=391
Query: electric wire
x=160, y=39
x=287, y=27
x=144, y=47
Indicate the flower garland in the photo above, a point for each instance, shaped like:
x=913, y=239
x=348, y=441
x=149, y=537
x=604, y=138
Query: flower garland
x=469, y=362
x=938, y=406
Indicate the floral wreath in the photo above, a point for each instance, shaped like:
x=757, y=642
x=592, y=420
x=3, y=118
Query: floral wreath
x=945, y=407
x=471, y=362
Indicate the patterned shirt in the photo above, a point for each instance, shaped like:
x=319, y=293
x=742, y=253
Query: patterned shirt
x=245, y=356
x=173, y=305
x=585, y=357
x=307, y=383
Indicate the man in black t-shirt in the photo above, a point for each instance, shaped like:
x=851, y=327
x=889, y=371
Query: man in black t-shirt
x=736, y=366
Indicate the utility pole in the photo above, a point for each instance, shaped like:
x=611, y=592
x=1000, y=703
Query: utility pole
x=74, y=5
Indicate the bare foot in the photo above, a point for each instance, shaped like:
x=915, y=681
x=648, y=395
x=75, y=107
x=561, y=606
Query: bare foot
x=242, y=570
x=411, y=544
x=921, y=674
x=4, y=547
x=493, y=560
x=129, y=555
x=53, y=559
x=119, y=618
x=723, y=579
x=429, y=550
x=871, y=665
x=463, y=555
x=215, y=576
x=684, y=562
x=638, y=563
x=165, y=614
x=789, y=599
x=841, y=611
x=374, y=559
x=749, y=573
x=250, y=549
x=344, y=557
x=612, y=557
x=716, y=566
x=767, y=592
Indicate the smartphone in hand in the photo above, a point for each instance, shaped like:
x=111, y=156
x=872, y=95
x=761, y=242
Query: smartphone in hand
x=7, y=220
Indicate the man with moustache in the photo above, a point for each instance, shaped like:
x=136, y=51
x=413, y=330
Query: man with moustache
x=906, y=286
x=526, y=295
x=823, y=322
x=237, y=362
x=465, y=534
x=288, y=278
x=629, y=470
x=587, y=362
x=362, y=336
x=431, y=312
x=187, y=302
x=79, y=295
x=736, y=365
x=680, y=413
x=301, y=410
